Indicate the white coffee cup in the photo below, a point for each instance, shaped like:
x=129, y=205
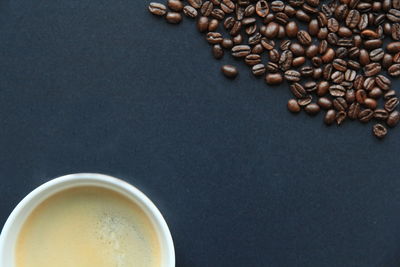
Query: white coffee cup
x=15, y=221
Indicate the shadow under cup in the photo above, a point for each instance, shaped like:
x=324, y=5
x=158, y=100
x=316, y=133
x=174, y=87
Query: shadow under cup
x=15, y=222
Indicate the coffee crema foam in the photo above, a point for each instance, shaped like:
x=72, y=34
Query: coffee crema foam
x=88, y=227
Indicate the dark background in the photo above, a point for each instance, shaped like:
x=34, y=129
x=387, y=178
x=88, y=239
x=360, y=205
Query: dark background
x=104, y=86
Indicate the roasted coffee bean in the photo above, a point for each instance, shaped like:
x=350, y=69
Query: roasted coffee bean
x=353, y=18
x=375, y=93
x=214, y=37
x=273, y=78
x=173, y=17
x=341, y=117
x=213, y=25
x=307, y=71
x=190, y=11
x=228, y=7
x=354, y=111
x=350, y=75
x=229, y=71
x=298, y=90
x=297, y=49
x=322, y=33
x=386, y=5
x=333, y=25
x=312, y=109
x=340, y=64
x=366, y=115
x=293, y=106
x=285, y=45
x=237, y=26
x=341, y=52
x=383, y=82
x=227, y=43
x=281, y=32
x=330, y=117
x=262, y=8
x=239, y=12
x=350, y=95
x=327, y=71
x=310, y=86
x=389, y=94
x=328, y=56
x=353, y=52
x=361, y=95
x=341, y=12
x=291, y=29
x=393, y=47
x=340, y=104
x=302, y=16
x=258, y=69
x=248, y=21
x=316, y=61
x=272, y=30
x=379, y=131
x=353, y=65
x=376, y=54
x=240, y=50
x=298, y=61
x=337, y=77
x=393, y=15
x=252, y=59
x=358, y=82
x=381, y=114
x=394, y=70
x=289, y=10
x=312, y=51
x=322, y=88
x=363, y=23
x=281, y=18
x=157, y=9
x=229, y=22
x=305, y=101
x=344, y=32
x=369, y=34
x=207, y=8
x=364, y=57
x=322, y=47
x=324, y=103
x=272, y=67
x=372, y=44
x=202, y=24
x=304, y=38
x=255, y=39
x=370, y=103
x=217, y=51
x=391, y=104
x=285, y=60
x=249, y=10
x=337, y=90
x=396, y=58
x=313, y=27
x=175, y=5
x=218, y=14
x=273, y=55
x=270, y=17
x=322, y=19
x=369, y=83
x=267, y=44
x=393, y=119
x=317, y=74
x=195, y=3
x=292, y=75
x=372, y=69
x=395, y=31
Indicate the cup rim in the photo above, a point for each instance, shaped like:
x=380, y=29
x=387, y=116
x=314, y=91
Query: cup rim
x=74, y=180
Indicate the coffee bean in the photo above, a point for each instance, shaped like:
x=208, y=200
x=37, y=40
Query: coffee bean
x=228, y=7
x=312, y=51
x=361, y=95
x=207, y=8
x=229, y=71
x=249, y=21
x=273, y=78
x=354, y=111
x=289, y=10
x=249, y=10
x=258, y=69
x=337, y=90
x=394, y=70
x=214, y=38
x=262, y=8
x=330, y=117
x=395, y=31
x=313, y=27
x=322, y=47
x=255, y=39
x=322, y=88
x=213, y=25
x=375, y=93
x=393, y=119
x=195, y=3
x=341, y=52
x=241, y=50
x=383, y=82
x=298, y=90
x=175, y=5
x=252, y=59
x=302, y=16
x=217, y=51
x=337, y=77
x=310, y=86
x=293, y=106
x=353, y=65
x=344, y=32
x=389, y=94
x=285, y=61
x=285, y=45
x=340, y=104
x=340, y=64
x=391, y=104
x=324, y=103
x=317, y=74
x=370, y=103
x=281, y=18
x=304, y=38
x=359, y=82
x=393, y=15
x=365, y=115
x=239, y=12
x=238, y=39
x=353, y=52
x=364, y=57
x=236, y=27
x=322, y=19
x=381, y=114
x=340, y=117
x=333, y=25
x=363, y=23
x=372, y=69
x=173, y=17
x=291, y=29
x=228, y=43
x=307, y=71
x=312, y=109
x=157, y=9
x=292, y=75
x=379, y=131
x=218, y=14
x=350, y=95
x=272, y=30
x=202, y=24
x=298, y=61
x=353, y=18
x=372, y=44
x=274, y=55
x=350, y=75
x=393, y=47
x=304, y=101
x=297, y=49
x=190, y=11
x=267, y=44
x=328, y=56
x=327, y=71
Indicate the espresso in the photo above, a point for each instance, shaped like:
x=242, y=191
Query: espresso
x=88, y=227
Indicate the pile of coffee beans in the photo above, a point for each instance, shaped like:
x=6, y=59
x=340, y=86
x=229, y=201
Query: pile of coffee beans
x=336, y=56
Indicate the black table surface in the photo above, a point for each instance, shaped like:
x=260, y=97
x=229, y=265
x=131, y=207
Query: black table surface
x=104, y=86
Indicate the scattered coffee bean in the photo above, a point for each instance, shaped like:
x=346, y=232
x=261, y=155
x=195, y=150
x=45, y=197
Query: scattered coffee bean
x=393, y=119
x=274, y=78
x=312, y=109
x=157, y=9
x=173, y=17
x=293, y=106
x=379, y=131
x=229, y=71
x=258, y=69
x=330, y=117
